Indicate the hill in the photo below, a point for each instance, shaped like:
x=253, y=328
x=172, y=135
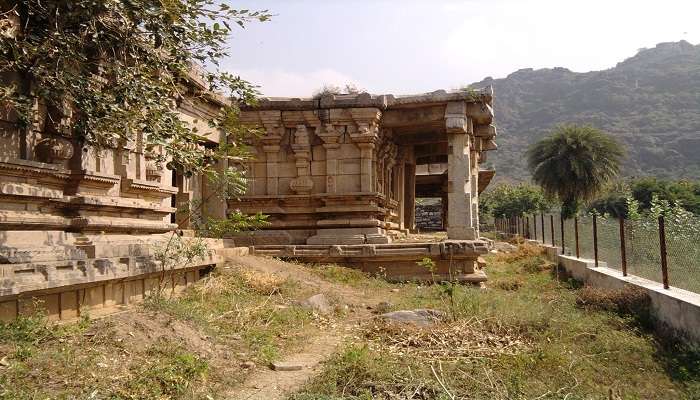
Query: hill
x=651, y=102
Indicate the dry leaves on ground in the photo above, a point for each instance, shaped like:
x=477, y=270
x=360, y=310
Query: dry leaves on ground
x=460, y=340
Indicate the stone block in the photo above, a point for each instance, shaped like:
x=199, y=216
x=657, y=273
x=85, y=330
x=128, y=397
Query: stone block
x=348, y=151
x=350, y=167
x=69, y=305
x=318, y=168
x=8, y=310
x=286, y=366
x=287, y=170
x=318, y=153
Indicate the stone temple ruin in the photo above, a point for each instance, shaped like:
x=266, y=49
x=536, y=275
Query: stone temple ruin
x=338, y=176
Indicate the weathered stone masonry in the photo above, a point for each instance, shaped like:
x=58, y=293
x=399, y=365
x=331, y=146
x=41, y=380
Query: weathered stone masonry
x=340, y=171
x=338, y=176
x=78, y=226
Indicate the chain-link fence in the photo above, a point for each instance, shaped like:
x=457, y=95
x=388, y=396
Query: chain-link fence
x=665, y=250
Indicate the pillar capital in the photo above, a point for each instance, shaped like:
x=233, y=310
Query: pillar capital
x=456, y=119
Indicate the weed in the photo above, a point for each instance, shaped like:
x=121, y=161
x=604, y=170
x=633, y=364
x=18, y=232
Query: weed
x=509, y=284
x=524, y=251
x=343, y=275
x=168, y=371
x=26, y=329
x=533, y=265
x=428, y=264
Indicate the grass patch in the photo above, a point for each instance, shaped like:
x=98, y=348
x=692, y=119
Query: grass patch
x=260, y=308
x=184, y=347
x=347, y=276
x=568, y=347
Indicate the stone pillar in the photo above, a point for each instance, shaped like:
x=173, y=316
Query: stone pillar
x=410, y=197
x=401, y=194
x=303, y=183
x=366, y=178
x=271, y=147
x=459, y=211
x=271, y=154
x=330, y=139
x=475, y=190
x=366, y=138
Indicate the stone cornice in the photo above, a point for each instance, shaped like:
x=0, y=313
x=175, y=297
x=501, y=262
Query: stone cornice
x=33, y=168
x=362, y=100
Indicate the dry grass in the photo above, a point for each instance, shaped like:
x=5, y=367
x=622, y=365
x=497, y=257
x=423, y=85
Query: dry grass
x=461, y=340
x=509, y=284
x=524, y=251
x=628, y=301
x=545, y=340
x=262, y=282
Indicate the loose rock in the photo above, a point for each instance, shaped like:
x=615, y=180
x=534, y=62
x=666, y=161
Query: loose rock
x=318, y=303
x=286, y=366
x=419, y=317
x=505, y=247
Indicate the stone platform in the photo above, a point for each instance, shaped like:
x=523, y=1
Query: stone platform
x=455, y=260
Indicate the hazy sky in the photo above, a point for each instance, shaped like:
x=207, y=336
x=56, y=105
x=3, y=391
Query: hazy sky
x=410, y=46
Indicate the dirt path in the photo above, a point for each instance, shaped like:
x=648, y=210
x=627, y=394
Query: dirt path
x=266, y=384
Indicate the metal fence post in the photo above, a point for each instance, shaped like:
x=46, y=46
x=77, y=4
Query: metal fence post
x=662, y=243
x=595, y=240
x=534, y=225
x=527, y=223
x=561, y=223
x=578, y=251
x=623, y=250
x=542, y=225
x=551, y=225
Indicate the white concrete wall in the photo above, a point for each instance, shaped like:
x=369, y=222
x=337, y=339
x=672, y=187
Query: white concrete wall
x=678, y=308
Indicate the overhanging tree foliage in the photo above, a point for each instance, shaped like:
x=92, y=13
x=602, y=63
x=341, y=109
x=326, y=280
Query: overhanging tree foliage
x=574, y=163
x=115, y=68
x=112, y=73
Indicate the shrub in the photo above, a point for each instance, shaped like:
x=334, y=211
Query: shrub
x=628, y=301
x=509, y=284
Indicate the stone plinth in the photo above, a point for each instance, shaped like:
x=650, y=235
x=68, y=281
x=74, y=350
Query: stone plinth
x=454, y=260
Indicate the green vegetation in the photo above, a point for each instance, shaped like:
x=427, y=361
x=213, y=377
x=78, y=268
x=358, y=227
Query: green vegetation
x=573, y=164
x=527, y=336
x=347, y=276
x=648, y=102
x=684, y=193
x=114, y=72
x=185, y=347
x=505, y=201
x=269, y=301
x=615, y=199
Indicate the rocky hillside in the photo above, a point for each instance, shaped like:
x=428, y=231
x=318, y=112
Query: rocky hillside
x=651, y=102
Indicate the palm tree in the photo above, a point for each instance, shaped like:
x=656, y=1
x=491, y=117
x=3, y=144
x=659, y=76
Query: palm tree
x=573, y=163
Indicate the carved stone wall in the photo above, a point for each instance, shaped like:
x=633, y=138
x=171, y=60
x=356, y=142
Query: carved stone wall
x=72, y=215
x=341, y=169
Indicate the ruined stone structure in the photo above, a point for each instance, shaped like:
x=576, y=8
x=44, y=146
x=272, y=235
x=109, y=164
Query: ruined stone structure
x=78, y=226
x=337, y=174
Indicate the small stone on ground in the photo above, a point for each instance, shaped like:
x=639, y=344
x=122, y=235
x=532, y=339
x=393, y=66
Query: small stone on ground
x=419, y=317
x=318, y=303
x=286, y=366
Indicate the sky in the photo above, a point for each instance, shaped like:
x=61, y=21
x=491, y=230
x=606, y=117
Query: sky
x=410, y=46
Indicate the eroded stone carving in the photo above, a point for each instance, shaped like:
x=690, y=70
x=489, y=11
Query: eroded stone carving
x=53, y=150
